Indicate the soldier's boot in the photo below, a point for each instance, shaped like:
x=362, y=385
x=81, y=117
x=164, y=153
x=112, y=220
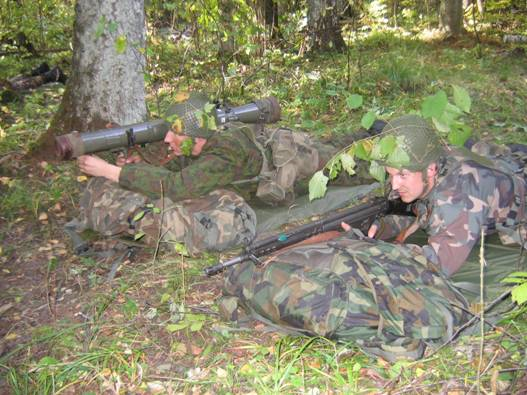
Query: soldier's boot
x=54, y=75
x=40, y=69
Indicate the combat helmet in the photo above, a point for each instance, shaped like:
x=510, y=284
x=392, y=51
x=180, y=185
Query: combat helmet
x=190, y=111
x=418, y=139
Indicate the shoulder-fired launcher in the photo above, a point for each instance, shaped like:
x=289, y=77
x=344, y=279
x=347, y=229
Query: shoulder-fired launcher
x=73, y=145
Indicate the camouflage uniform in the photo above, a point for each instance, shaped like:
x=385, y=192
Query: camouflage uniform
x=388, y=299
x=471, y=192
x=207, y=217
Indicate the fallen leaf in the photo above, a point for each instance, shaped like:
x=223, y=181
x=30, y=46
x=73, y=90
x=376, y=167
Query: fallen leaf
x=6, y=181
x=42, y=217
x=82, y=179
x=5, y=307
x=11, y=336
x=155, y=387
x=221, y=373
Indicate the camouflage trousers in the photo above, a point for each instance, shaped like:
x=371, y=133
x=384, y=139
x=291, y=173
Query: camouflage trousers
x=384, y=297
x=215, y=222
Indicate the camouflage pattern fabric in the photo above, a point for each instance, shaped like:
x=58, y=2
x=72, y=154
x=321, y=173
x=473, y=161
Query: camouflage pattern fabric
x=227, y=157
x=471, y=193
x=218, y=221
x=231, y=159
x=386, y=298
x=294, y=157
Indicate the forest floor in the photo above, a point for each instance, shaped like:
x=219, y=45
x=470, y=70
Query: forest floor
x=148, y=323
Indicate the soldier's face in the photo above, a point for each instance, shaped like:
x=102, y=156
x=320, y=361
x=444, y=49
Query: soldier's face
x=409, y=184
x=174, y=141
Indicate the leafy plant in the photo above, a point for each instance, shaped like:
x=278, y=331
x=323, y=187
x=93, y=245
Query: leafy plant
x=519, y=291
x=388, y=149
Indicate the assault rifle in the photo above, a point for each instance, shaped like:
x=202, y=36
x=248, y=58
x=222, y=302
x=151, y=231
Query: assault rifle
x=73, y=145
x=360, y=216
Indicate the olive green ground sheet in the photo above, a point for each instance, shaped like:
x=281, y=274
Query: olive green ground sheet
x=500, y=260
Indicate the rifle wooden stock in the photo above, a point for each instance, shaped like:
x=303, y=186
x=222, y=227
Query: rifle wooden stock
x=358, y=216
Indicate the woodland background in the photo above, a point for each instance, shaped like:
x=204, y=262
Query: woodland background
x=70, y=324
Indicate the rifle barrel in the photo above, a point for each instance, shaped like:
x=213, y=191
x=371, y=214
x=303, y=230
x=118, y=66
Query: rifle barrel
x=354, y=216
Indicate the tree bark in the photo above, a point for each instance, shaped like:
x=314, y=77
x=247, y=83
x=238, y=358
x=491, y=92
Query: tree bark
x=106, y=83
x=267, y=14
x=451, y=17
x=323, y=17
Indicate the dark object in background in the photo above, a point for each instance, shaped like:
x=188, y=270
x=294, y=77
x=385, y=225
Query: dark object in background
x=41, y=69
x=41, y=75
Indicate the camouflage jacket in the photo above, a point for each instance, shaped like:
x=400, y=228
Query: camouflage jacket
x=471, y=193
x=269, y=165
x=226, y=158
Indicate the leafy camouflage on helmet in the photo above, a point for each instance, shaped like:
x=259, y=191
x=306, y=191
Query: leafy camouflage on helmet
x=417, y=138
x=190, y=112
x=467, y=197
x=218, y=221
x=386, y=298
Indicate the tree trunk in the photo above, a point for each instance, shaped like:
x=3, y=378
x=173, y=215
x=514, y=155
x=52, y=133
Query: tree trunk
x=323, y=18
x=451, y=16
x=267, y=14
x=481, y=6
x=479, y=3
x=106, y=83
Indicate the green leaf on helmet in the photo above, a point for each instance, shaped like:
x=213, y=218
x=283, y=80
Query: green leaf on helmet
x=452, y=112
x=348, y=163
x=376, y=153
x=334, y=166
x=362, y=149
x=398, y=158
x=186, y=147
x=433, y=106
x=387, y=145
x=459, y=134
x=368, y=119
x=441, y=125
x=171, y=118
x=318, y=185
x=377, y=171
x=211, y=123
x=208, y=107
x=354, y=101
x=462, y=98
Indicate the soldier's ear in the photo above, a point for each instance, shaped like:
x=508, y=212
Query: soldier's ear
x=432, y=170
